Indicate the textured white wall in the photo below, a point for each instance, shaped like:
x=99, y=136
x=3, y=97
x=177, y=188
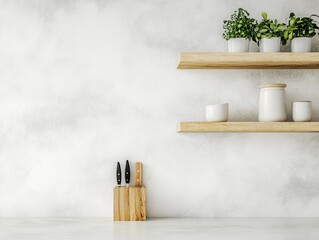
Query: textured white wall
x=84, y=84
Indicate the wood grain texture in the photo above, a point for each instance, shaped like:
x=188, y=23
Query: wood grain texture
x=137, y=204
x=250, y=60
x=124, y=204
x=248, y=127
x=116, y=204
x=138, y=174
x=121, y=201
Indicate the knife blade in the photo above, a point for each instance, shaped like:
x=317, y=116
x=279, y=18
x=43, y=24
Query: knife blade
x=127, y=173
x=118, y=174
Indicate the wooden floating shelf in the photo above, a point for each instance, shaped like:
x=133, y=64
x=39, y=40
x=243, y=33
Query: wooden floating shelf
x=248, y=127
x=248, y=60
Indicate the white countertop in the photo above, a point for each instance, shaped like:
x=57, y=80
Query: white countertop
x=162, y=228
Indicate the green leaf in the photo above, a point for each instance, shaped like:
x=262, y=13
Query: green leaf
x=292, y=21
x=264, y=15
x=266, y=27
x=280, y=27
x=291, y=36
x=286, y=34
x=263, y=30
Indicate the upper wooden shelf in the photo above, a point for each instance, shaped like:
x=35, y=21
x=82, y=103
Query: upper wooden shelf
x=248, y=127
x=248, y=60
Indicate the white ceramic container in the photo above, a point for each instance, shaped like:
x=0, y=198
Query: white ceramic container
x=238, y=45
x=270, y=44
x=301, y=111
x=272, y=103
x=301, y=44
x=217, y=112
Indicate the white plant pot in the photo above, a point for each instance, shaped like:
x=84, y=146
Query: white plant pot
x=301, y=44
x=270, y=44
x=238, y=45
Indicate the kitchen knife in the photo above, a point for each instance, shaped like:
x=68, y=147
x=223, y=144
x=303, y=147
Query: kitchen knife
x=138, y=175
x=127, y=173
x=118, y=174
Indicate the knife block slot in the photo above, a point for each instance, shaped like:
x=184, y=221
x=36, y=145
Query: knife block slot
x=129, y=204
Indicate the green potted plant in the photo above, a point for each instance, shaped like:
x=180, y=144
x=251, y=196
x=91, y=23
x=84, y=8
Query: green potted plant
x=269, y=34
x=239, y=30
x=300, y=32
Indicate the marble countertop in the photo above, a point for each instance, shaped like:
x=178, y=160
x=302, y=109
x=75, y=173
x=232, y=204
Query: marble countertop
x=163, y=228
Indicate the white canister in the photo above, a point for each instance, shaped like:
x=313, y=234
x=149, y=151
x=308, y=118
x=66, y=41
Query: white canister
x=238, y=45
x=301, y=111
x=217, y=112
x=270, y=44
x=301, y=44
x=272, y=103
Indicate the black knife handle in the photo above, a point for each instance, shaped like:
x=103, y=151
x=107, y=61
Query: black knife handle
x=118, y=174
x=127, y=173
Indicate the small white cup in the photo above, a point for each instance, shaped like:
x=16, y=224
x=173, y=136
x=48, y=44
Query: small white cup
x=301, y=111
x=217, y=112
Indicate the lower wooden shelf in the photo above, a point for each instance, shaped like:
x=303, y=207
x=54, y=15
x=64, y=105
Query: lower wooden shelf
x=248, y=127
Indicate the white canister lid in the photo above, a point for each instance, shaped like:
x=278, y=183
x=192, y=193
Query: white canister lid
x=270, y=85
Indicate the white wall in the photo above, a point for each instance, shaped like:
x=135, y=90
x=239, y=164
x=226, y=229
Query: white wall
x=84, y=84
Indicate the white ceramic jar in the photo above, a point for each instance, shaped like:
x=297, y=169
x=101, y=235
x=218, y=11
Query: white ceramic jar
x=301, y=111
x=217, y=112
x=238, y=45
x=272, y=103
x=301, y=44
x=270, y=44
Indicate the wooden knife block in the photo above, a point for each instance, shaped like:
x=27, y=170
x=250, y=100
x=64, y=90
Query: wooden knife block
x=129, y=203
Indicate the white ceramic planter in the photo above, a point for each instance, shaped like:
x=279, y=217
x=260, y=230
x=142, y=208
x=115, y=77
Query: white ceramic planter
x=270, y=44
x=272, y=103
x=301, y=111
x=217, y=112
x=238, y=45
x=301, y=44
